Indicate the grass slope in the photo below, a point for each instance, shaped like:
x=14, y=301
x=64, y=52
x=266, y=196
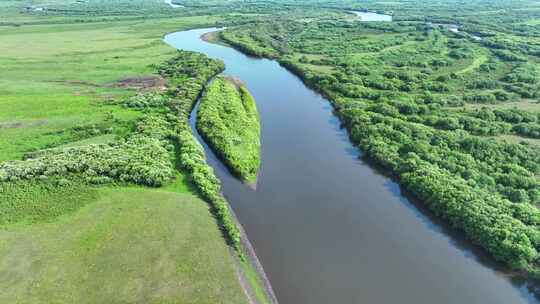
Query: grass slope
x=228, y=119
x=57, y=76
x=128, y=245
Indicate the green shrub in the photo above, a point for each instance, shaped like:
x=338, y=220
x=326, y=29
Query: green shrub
x=227, y=118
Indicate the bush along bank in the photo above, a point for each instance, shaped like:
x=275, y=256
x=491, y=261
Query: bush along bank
x=487, y=189
x=228, y=120
x=188, y=73
x=142, y=157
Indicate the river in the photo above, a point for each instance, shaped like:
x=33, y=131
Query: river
x=329, y=228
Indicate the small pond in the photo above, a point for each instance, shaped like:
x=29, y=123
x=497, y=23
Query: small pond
x=369, y=16
x=170, y=2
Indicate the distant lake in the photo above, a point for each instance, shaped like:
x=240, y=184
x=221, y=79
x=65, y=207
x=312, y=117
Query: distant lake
x=169, y=2
x=369, y=16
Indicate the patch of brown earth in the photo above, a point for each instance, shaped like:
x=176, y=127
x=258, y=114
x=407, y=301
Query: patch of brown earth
x=18, y=124
x=236, y=81
x=82, y=83
x=215, y=38
x=142, y=82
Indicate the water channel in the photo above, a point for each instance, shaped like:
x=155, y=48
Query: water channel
x=327, y=226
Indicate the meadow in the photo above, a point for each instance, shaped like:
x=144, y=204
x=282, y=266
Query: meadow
x=125, y=245
x=100, y=199
x=59, y=77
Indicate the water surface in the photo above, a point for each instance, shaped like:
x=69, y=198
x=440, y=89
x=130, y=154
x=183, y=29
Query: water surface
x=369, y=16
x=169, y=2
x=327, y=227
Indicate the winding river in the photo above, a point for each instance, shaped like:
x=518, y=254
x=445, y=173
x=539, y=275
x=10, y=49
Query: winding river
x=328, y=227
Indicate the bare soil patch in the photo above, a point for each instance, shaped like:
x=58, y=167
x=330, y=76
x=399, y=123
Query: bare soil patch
x=20, y=124
x=142, y=82
x=236, y=81
x=214, y=37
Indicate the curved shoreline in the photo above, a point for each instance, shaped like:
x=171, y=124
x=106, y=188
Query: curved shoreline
x=248, y=249
x=287, y=212
x=254, y=261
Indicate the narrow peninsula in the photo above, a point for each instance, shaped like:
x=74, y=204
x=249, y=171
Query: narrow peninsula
x=229, y=122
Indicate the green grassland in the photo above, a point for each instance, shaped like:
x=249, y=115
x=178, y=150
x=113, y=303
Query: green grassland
x=125, y=245
x=227, y=118
x=74, y=227
x=58, y=76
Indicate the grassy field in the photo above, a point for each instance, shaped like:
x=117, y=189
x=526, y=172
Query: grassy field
x=61, y=240
x=125, y=246
x=514, y=139
x=57, y=76
x=526, y=105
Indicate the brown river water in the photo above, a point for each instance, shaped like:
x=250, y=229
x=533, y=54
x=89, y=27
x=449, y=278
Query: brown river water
x=327, y=226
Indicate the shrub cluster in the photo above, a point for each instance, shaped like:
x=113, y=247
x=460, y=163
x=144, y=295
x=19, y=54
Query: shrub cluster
x=193, y=161
x=228, y=120
x=137, y=159
x=190, y=72
x=146, y=100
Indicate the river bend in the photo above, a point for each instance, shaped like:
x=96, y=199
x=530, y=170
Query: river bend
x=327, y=227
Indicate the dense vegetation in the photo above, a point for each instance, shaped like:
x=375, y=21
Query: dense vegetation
x=188, y=73
x=227, y=118
x=430, y=105
x=141, y=158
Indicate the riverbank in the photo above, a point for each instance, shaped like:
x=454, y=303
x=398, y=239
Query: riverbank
x=255, y=282
x=215, y=38
x=192, y=159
